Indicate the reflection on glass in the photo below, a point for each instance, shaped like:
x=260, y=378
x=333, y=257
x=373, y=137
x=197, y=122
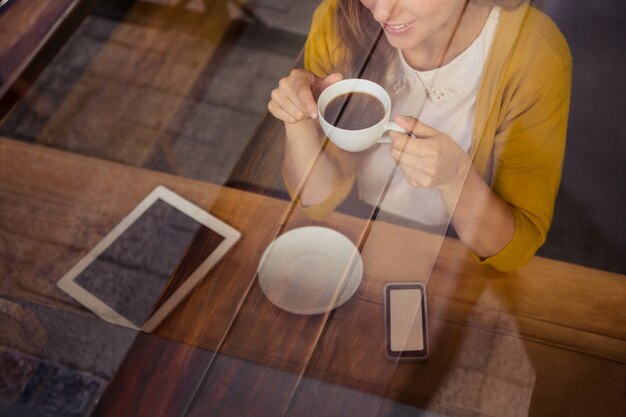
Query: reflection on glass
x=486, y=121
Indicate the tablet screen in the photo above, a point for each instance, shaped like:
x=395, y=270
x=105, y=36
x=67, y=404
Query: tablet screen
x=131, y=273
x=125, y=275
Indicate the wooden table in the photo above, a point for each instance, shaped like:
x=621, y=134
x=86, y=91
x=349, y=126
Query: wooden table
x=54, y=207
x=31, y=32
x=547, y=340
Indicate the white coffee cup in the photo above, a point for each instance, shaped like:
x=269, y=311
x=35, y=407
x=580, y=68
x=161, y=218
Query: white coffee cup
x=362, y=139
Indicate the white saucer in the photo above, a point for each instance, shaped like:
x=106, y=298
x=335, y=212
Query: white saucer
x=310, y=270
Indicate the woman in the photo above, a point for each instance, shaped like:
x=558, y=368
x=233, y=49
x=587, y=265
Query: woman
x=483, y=89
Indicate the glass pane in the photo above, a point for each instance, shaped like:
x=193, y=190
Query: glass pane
x=103, y=101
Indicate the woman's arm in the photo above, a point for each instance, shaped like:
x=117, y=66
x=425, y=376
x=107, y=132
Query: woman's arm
x=431, y=158
x=482, y=220
x=527, y=154
x=306, y=168
x=311, y=167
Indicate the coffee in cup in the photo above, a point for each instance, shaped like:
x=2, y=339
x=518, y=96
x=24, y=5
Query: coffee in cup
x=354, y=111
x=354, y=114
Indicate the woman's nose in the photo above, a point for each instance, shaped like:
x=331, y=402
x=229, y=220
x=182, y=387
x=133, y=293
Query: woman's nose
x=383, y=10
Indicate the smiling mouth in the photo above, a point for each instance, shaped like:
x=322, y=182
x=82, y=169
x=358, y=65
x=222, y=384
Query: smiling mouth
x=397, y=29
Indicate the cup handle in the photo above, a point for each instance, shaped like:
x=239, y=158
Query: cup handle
x=391, y=125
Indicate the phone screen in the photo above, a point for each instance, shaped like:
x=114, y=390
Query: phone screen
x=406, y=320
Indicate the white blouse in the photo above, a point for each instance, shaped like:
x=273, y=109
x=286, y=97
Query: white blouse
x=444, y=98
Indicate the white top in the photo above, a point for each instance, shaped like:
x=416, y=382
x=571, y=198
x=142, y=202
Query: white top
x=444, y=98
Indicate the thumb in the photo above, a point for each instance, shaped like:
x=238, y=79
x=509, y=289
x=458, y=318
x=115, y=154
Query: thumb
x=319, y=84
x=322, y=83
x=415, y=126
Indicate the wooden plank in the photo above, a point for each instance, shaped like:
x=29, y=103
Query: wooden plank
x=556, y=293
x=32, y=33
x=167, y=384
x=55, y=206
x=24, y=28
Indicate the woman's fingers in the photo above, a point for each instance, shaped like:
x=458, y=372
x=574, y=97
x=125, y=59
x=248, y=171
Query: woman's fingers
x=294, y=98
x=422, y=147
x=310, y=87
x=279, y=101
x=321, y=83
x=422, y=140
x=289, y=88
x=430, y=158
x=296, y=88
x=279, y=112
x=415, y=177
x=415, y=127
x=425, y=165
x=305, y=98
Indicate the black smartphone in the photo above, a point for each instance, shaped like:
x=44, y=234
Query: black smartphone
x=405, y=321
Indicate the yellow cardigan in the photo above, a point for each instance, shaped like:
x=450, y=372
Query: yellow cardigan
x=518, y=140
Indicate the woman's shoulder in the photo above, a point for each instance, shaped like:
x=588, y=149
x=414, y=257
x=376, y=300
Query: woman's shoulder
x=539, y=37
x=323, y=48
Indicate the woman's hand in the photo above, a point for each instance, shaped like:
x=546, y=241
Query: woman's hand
x=428, y=157
x=295, y=97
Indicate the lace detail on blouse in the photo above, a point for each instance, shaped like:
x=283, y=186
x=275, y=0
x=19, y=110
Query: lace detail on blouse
x=439, y=94
x=459, y=77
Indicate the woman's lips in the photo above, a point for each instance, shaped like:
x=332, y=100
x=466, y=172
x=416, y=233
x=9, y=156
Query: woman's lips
x=397, y=29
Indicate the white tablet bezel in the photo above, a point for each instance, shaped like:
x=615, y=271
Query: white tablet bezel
x=68, y=284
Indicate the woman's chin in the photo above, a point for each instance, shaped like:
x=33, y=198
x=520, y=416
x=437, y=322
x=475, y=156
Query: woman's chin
x=404, y=41
x=399, y=43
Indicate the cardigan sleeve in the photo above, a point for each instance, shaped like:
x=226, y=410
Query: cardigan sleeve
x=528, y=155
x=323, y=53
